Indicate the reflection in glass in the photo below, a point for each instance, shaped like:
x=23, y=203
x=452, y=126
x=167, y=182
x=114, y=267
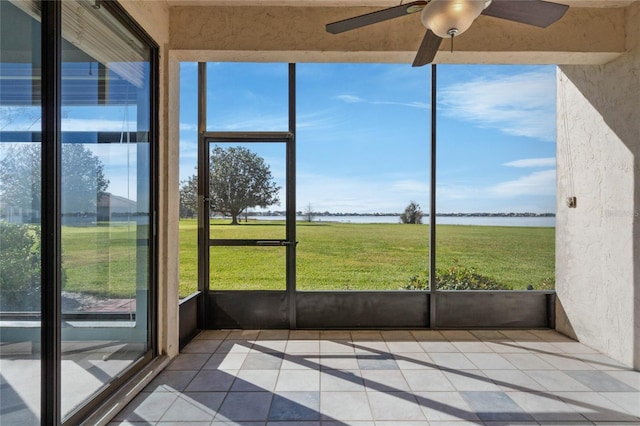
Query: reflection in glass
x=20, y=212
x=105, y=202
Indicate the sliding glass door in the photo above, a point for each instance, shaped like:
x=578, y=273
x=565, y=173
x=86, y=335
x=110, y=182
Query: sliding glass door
x=77, y=203
x=105, y=201
x=20, y=212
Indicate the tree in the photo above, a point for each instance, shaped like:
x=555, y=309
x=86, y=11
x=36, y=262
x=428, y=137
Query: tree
x=240, y=179
x=189, y=197
x=308, y=213
x=83, y=181
x=19, y=267
x=20, y=179
x=412, y=214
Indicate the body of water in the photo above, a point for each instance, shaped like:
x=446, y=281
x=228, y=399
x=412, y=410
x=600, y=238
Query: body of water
x=440, y=220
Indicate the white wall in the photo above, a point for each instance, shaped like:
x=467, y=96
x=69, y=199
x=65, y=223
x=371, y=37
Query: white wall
x=597, y=243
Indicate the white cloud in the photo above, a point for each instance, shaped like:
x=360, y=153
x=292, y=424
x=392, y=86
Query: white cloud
x=520, y=104
x=188, y=159
x=100, y=125
x=359, y=194
x=532, y=162
x=350, y=99
x=123, y=185
x=538, y=183
x=534, y=192
x=115, y=155
x=258, y=123
x=316, y=120
x=188, y=127
x=420, y=105
x=410, y=186
x=19, y=118
x=458, y=191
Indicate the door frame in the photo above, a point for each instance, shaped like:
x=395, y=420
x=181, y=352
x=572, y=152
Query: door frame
x=271, y=308
x=246, y=308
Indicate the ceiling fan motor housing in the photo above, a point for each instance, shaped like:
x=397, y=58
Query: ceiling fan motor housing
x=449, y=18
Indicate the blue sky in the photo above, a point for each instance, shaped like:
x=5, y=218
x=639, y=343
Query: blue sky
x=363, y=132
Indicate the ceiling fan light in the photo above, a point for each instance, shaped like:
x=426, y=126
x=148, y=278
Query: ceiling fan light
x=451, y=17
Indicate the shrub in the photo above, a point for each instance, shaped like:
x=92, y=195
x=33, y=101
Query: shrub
x=412, y=214
x=19, y=267
x=455, y=277
x=547, y=283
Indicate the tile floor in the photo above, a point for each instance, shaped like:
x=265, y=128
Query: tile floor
x=86, y=367
x=399, y=378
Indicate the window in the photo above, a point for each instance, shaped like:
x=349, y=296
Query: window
x=362, y=157
x=105, y=122
x=20, y=212
x=188, y=178
x=106, y=200
x=495, y=177
x=363, y=147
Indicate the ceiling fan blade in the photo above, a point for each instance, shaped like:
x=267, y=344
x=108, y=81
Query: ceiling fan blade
x=375, y=17
x=428, y=49
x=533, y=12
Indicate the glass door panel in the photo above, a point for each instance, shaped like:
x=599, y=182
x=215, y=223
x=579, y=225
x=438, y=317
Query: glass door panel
x=105, y=203
x=20, y=213
x=248, y=233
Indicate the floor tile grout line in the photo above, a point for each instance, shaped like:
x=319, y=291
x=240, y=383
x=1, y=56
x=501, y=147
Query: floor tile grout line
x=403, y=373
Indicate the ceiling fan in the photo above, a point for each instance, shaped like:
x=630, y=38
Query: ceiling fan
x=450, y=18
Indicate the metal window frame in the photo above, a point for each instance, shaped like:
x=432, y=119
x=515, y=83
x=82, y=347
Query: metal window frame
x=152, y=310
x=255, y=137
x=51, y=82
x=432, y=203
x=51, y=249
x=432, y=308
x=203, y=204
x=275, y=298
x=288, y=243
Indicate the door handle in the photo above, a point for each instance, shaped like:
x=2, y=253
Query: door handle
x=269, y=243
x=274, y=243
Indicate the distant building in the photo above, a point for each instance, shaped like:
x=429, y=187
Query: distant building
x=110, y=205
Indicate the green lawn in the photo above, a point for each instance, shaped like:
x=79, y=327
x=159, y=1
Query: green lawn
x=348, y=256
x=102, y=260
x=330, y=256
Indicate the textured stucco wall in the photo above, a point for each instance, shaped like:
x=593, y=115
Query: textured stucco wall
x=297, y=34
x=597, y=243
x=153, y=16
